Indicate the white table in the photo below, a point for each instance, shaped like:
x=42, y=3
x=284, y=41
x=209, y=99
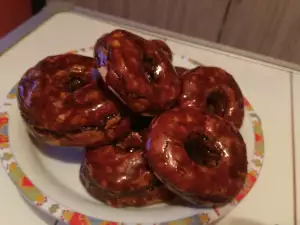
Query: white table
x=267, y=87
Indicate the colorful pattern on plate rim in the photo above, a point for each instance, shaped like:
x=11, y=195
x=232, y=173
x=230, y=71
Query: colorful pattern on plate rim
x=36, y=197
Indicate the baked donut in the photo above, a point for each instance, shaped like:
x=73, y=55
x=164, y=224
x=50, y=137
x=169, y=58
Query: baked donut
x=214, y=90
x=138, y=71
x=201, y=157
x=180, y=70
x=119, y=174
x=144, y=197
x=63, y=103
x=164, y=47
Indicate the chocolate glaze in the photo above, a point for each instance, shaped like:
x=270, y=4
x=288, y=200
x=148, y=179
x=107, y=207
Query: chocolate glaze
x=180, y=70
x=120, y=168
x=164, y=47
x=199, y=156
x=138, y=71
x=149, y=196
x=61, y=101
x=215, y=91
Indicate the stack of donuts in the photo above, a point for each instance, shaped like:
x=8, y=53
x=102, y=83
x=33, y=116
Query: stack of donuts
x=152, y=131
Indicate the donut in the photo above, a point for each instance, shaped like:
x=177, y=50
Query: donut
x=138, y=71
x=214, y=90
x=164, y=47
x=120, y=171
x=121, y=167
x=144, y=197
x=199, y=156
x=62, y=103
x=180, y=70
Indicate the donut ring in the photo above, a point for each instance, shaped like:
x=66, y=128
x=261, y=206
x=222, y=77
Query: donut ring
x=215, y=91
x=138, y=71
x=198, y=156
x=62, y=103
x=164, y=47
x=150, y=196
x=180, y=70
x=120, y=169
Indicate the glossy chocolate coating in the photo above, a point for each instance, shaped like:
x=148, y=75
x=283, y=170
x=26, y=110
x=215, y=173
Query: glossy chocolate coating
x=199, y=156
x=121, y=168
x=149, y=196
x=138, y=71
x=164, y=47
x=215, y=91
x=180, y=70
x=63, y=103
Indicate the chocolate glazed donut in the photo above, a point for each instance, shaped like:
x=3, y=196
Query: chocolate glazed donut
x=215, y=91
x=164, y=47
x=199, y=156
x=180, y=70
x=138, y=71
x=62, y=103
x=119, y=174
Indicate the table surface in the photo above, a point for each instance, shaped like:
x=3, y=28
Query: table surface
x=269, y=88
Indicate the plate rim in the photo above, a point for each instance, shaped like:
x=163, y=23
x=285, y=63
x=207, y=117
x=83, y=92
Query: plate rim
x=36, y=197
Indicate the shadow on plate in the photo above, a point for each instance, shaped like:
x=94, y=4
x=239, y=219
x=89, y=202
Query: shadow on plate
x=50, y=220
x=177, y=201
x=66, y=154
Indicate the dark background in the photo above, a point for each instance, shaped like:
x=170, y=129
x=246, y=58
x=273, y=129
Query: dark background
x=37, y=5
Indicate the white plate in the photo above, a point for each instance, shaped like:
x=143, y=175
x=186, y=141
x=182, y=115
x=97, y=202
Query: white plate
x=54, y=185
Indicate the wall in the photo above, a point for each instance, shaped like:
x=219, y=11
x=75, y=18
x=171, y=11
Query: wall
x=269, y=27
x=12, y=14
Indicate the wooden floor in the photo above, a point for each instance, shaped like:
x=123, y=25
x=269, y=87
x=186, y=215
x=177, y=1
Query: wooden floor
x=269, y=27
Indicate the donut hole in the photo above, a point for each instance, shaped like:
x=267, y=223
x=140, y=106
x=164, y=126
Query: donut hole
x=201, y=150
x=216, y=103
x=150, y=68
x=75, y=83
